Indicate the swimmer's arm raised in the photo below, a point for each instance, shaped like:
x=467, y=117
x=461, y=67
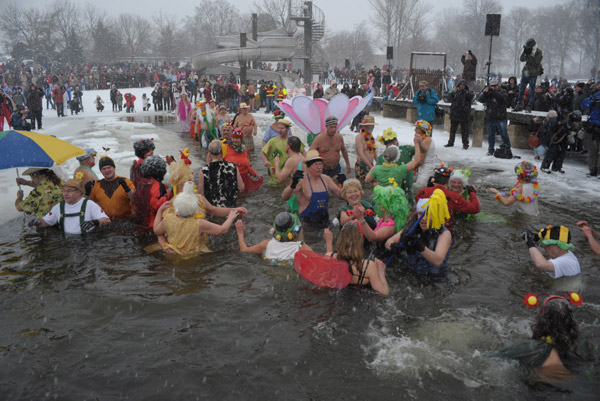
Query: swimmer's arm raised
x=540, y=261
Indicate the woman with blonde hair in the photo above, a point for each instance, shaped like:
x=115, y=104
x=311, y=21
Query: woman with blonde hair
x=350, y=249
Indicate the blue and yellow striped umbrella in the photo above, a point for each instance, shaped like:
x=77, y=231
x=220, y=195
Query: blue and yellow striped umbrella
x=31, y=149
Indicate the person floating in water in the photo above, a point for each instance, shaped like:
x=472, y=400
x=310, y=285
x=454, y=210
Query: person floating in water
x=556, y=242
x=556, y=344
x=525, y=192
x=283, y=245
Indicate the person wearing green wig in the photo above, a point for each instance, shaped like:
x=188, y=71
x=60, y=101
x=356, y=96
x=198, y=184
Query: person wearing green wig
x=556, y=242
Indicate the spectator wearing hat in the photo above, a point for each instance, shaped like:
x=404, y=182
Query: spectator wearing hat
x=460, y=113
x=84, y=171
x=75, y=214
x=456, y=202
x=312, y=191
x=329, y=144
x=495, y=100
x=532, y=56
x=556, y=242
x=331, y=91
x=366, y=152
x=425, y=98
x=271, y=131
x=47, y=192
x=246, y=123
x=277, y=147
x=114, y=194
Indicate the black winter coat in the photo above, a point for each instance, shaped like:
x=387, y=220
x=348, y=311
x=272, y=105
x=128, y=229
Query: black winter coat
x=460, y=108
x=495, y=104
x=470, y=68
x=34, y=99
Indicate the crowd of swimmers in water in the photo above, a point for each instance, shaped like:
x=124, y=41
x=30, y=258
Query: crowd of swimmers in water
x=411, y=216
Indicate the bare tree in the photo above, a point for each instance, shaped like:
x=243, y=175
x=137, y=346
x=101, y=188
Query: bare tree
x=168, y=43
x=396, y=20
x=277, y=9
x=356, y=45
x=135, y=31
x=473, y=27
x=66, y=18
x=588, y=35
x=212, y=18
x=517, y=29
x=25, y=31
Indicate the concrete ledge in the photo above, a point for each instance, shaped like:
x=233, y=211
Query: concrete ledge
x=519, y=135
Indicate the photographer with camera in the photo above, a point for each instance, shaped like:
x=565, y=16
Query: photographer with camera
x=425, y=99
x=19, y=119
x=559, y=135
x=469, y=62
x=495, y=100
x=532, y=56
x=556, y=242
x=592, y=132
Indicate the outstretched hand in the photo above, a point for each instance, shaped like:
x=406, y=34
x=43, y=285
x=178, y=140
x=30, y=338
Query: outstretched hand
x=240, y=226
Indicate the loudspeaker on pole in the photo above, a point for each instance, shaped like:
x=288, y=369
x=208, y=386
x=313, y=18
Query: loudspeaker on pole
x=390, y=52
x=492, y=25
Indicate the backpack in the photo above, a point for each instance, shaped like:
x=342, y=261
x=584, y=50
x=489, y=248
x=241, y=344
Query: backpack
x=503, y=153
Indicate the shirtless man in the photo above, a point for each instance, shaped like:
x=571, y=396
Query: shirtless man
x=276, y=148
x=293, y=163
x=84, y=171
x=312, y=191
x=246, y=120
x=329, y=144
x=366, y=154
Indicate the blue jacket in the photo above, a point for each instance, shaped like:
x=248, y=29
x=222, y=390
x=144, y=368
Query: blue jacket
x=426, y=111
x=595, y=113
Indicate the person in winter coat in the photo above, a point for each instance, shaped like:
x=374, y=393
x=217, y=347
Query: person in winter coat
x=425, y=98
x=157, y=98
x=145, y=102
x=129, y=102
x=59, y=99
x=512, y=89
x=318, y=93
x=119, y=100
x=559, y=135
x=469, y=62
x=543, y=99
x=460, y=113
x=331, y=91
x=166, y=97
x=113, y=97
x=532, y=56
x=99, y=103
x=592, y=132
x=495, y=100
x=34, y=102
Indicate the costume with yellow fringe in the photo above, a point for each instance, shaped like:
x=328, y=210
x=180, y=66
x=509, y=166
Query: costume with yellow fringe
x=436, y=213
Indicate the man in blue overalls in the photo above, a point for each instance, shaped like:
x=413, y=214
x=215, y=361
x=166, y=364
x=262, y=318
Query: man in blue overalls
x=312, y=191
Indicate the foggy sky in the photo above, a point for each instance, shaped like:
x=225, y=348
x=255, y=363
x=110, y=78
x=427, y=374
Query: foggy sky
x=339, y=14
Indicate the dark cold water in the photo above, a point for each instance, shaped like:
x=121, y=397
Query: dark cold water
x=99, y=318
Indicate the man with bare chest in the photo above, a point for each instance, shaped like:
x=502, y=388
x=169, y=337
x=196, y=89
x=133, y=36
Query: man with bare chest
x=329, y=144
x=245, y=121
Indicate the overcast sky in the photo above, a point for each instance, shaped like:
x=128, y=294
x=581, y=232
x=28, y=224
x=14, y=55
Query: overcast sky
x=339, y=14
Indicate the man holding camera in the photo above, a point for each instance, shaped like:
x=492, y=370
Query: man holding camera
x=556, y=242
x=19, y=119
x=532, y=56
x=425, y=99
x=469, y=74
x=495, y=100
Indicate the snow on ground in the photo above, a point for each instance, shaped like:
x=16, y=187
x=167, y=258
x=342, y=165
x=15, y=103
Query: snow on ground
x=112, y=130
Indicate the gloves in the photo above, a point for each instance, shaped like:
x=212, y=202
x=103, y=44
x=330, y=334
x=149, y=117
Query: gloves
x=470, y=189
x=296, y=177
x=34, y=223
x=414, y=243
x=122, y=182
x=529, y=238
x=88, y=225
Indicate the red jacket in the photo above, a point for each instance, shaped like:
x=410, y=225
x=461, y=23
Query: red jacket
x=149, y=196
x=456, y=203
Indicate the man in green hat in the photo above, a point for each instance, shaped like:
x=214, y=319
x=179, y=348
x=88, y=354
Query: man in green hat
x=556, y=242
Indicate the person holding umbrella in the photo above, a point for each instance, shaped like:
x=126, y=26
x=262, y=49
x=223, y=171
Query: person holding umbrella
x=47, y=192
